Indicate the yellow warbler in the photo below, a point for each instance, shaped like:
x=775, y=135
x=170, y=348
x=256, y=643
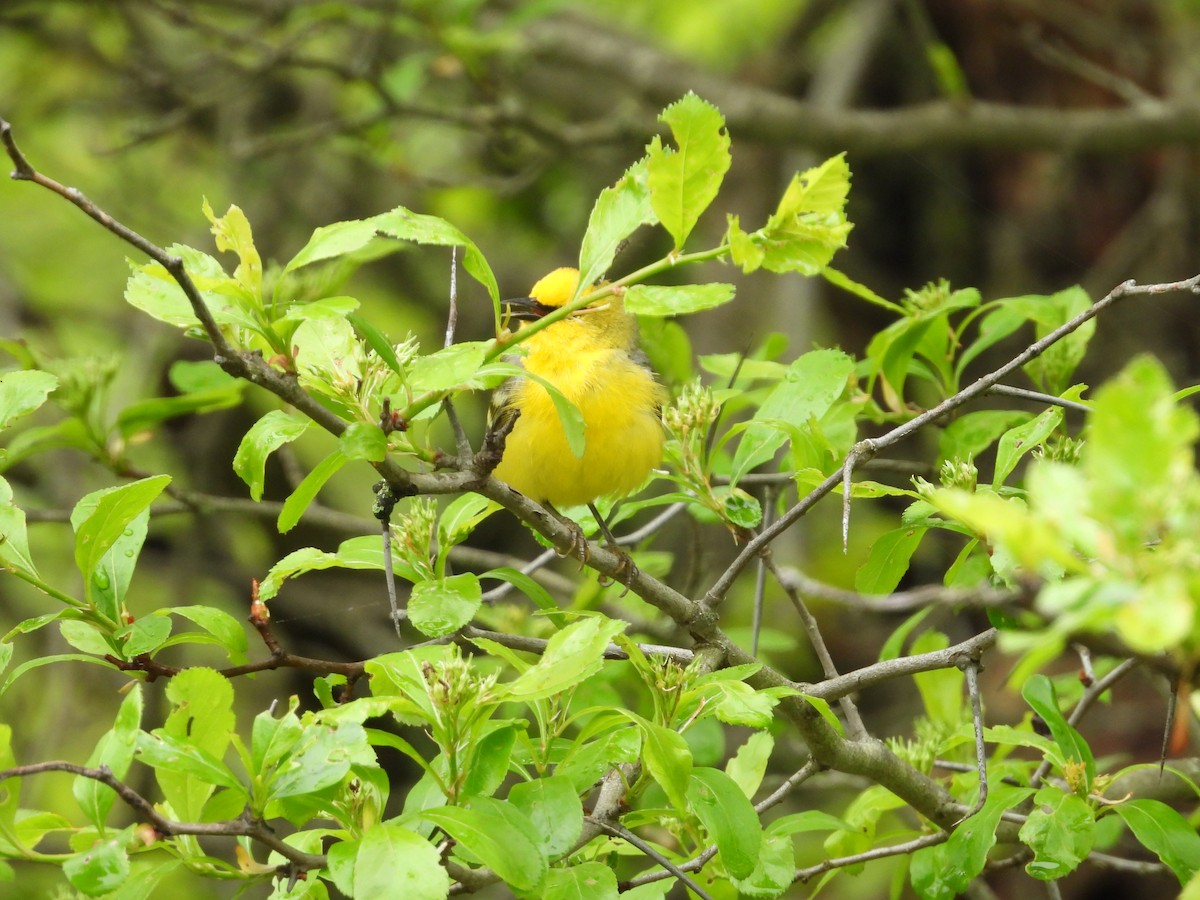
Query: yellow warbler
x=592, y=358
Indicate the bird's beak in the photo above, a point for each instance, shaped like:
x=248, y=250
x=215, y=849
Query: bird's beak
x=524, y=309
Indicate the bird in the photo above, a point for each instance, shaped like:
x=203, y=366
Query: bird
x=592, y=357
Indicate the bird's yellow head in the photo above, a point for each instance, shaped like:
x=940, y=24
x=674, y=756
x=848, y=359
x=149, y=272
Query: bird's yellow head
x=606, y=320
x=557, y=288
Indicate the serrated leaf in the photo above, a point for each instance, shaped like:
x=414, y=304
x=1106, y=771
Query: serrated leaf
x=23, y=391
x=101, y=868
x=571, y=655
x=1061, y=830
x=619, y=211
x=684, y=181
x=675, y=300
x=583, y=881
x=444, y=605
x=14, y=536
x=232, y=233
x=115, y=751
x=667, y=759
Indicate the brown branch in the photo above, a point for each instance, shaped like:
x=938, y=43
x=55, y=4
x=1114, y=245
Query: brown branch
x=246, y=825
x=761, y=114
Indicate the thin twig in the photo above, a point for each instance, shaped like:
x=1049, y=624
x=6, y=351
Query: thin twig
x=797, y=778
x=970, y=668
x=857, y=729
x=971, y=649
x=927, y=840
x=629, y=837
x=983, y=597
x=760, y=575
x=1005, y=390
x=462, y=443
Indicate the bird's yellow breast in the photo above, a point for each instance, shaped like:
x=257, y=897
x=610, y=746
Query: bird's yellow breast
x=618, y=398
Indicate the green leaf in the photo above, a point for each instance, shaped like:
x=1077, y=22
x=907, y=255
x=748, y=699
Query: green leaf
x=809, y=388
x=969, y=435
x=685, y=181
x=1022, y=439
x=619, y=211
x=728, y=817
x=14, y=537
x=101, y=868
x=362, y=440
x=265, y=436
x=1138, y=453
x=1039, y=693
x=449, y=367
x=488, y=762
x=444, y=605
x=144, y=880
x=153, y=290
x=809, y=226
x=320, y=756
x=22, y=392
x=888, y=561
x=232, y=233
x=1164, y=832
x=115, y=751
x=675, y=300
x=1061, y=830
x=585, y=765
x=228, y=631
x=584, y=881
x=945, y=870
x=748, y=765
x=941, y=689
x=364, y=552
x=144, y=415
x=667, y=759
x=840, y=279
x=405, y=225
x=115, y=512
x=304, y=494
x=168, y=754
x=202, y=718
x=144, y=635
x=392, y=861
x=571, y=656
x=553, y=806
x=501, y=836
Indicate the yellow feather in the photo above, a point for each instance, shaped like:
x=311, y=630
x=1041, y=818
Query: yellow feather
x=592, y=358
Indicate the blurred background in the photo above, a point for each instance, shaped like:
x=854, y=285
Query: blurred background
x=1018, y=146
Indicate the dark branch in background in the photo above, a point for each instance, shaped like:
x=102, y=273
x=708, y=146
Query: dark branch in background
x=245, y=825
x=760, y=114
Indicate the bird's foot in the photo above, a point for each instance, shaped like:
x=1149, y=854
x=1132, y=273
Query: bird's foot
x=579, y=542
